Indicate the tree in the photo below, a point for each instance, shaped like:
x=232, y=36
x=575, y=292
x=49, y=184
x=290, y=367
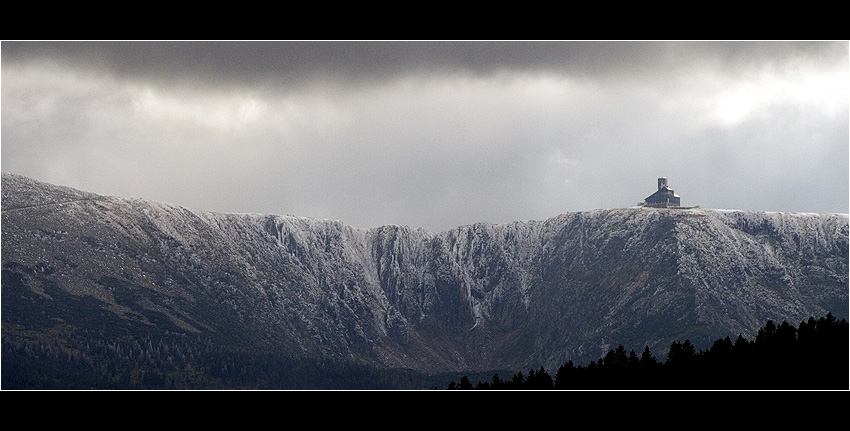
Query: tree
x=742, y=347
x=616, y=358
x=497, y=382
x=517, y=381
x=786, y=334
x=564, y=376
x=539, y=379
x=646, y=358
x=680, y=355
x=634, y=361
x=688, y=350
x=483, y=385
x=721, y=347
x=766, y=334
x=674, y=353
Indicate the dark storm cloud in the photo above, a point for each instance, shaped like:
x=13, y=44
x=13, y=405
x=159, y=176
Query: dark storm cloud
x=295, y=62
x=432, y=134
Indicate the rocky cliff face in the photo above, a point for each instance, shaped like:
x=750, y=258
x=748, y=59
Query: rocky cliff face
x=478, y=297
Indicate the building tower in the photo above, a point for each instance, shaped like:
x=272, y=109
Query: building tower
x=664, y=197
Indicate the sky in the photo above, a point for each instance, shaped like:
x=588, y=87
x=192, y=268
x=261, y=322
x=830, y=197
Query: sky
x=432, y=134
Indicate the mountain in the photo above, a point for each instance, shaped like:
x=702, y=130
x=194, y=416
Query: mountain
x=98, y=269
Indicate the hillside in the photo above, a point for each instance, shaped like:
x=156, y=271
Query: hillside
x=477, y=297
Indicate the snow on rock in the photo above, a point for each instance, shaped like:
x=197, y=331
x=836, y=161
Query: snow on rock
x=480, y=296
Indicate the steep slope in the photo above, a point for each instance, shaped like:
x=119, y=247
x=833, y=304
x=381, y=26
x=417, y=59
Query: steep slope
x=478, y=297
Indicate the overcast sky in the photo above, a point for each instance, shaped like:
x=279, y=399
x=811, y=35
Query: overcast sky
x=432, y=134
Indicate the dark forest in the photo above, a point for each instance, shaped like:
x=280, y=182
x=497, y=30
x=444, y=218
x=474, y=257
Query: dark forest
x=812, y=356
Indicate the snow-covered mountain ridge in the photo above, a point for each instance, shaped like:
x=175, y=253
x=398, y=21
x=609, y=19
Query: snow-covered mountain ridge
x=477, y=297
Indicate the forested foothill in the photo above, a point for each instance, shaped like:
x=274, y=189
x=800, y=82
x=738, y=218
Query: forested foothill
x=180, y=362
x=812, y=356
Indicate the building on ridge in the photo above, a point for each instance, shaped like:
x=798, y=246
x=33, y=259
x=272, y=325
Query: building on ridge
x=664, y=197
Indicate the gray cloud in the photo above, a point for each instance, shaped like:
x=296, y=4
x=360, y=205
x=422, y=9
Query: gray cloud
x=298, y=62
x=432, y=134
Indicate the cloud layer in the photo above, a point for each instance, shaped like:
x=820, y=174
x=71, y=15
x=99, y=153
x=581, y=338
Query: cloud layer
x=432, y=134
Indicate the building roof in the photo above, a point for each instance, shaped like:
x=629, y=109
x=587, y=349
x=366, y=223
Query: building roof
x=666, y=190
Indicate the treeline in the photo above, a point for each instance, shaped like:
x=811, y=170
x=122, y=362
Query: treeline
x=813, y=355
x=178, y=361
